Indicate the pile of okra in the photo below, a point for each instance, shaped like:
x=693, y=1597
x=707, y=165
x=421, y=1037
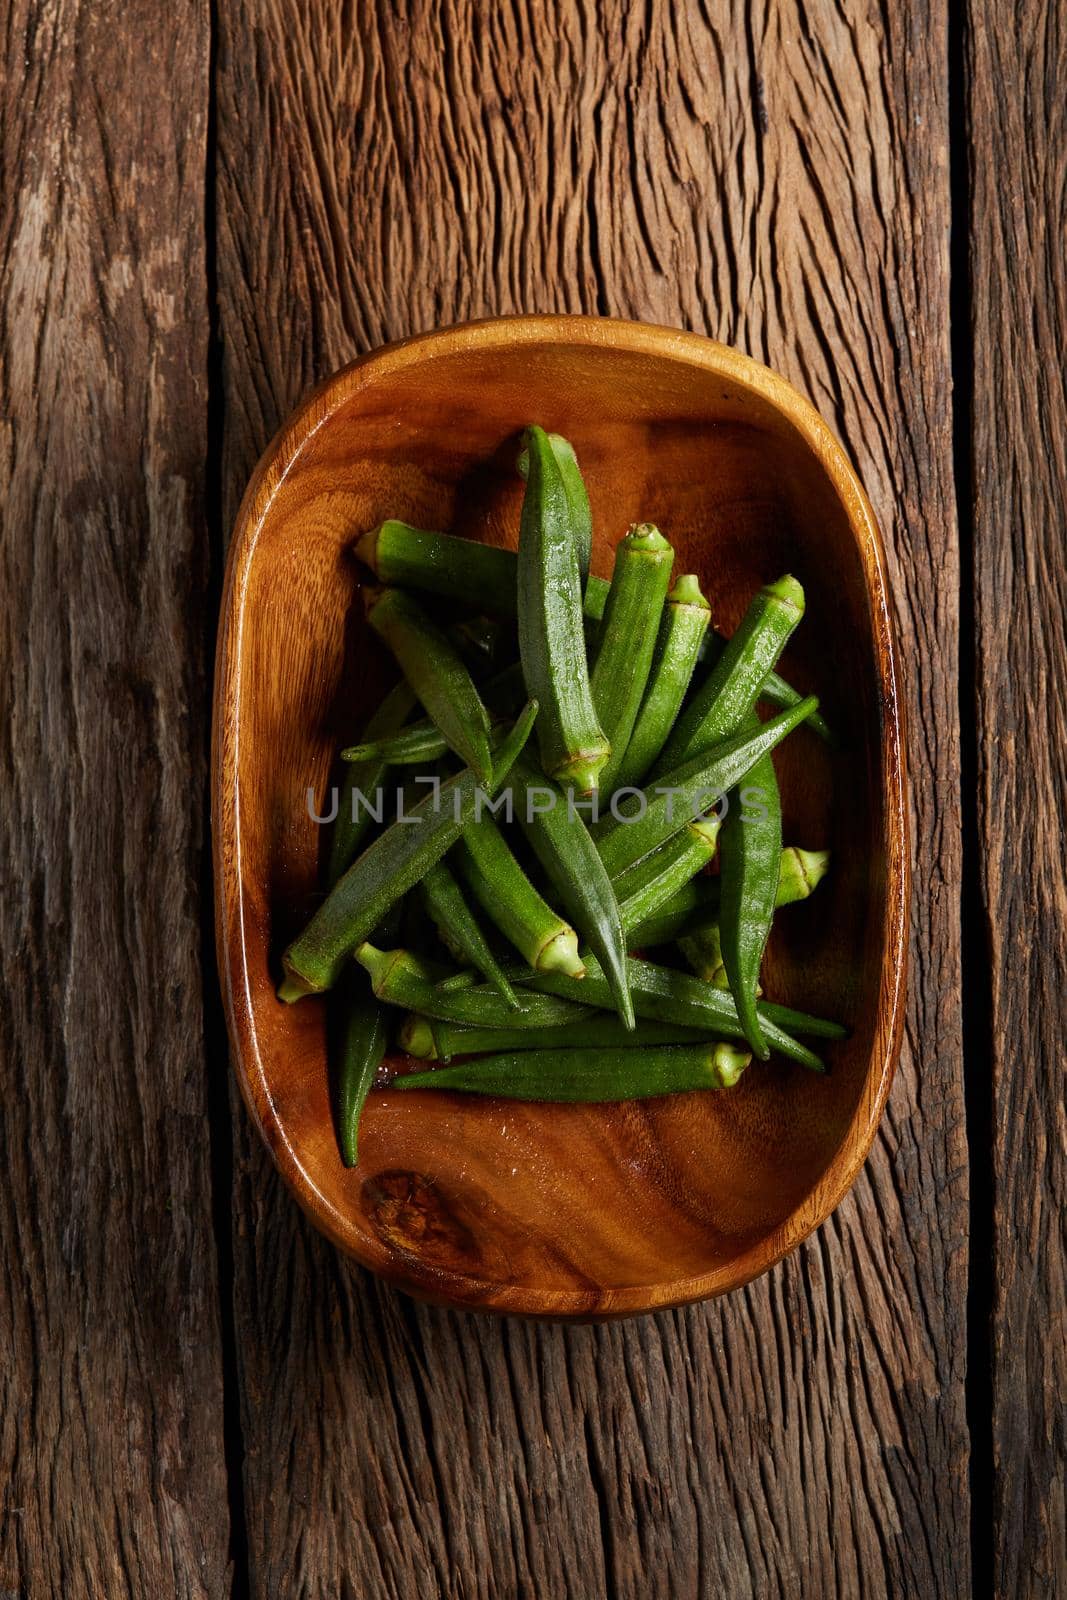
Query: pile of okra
x=568, y=760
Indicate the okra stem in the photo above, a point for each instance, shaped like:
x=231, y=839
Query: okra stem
x=587, y=1077
x=504, y=892
x=800, y=873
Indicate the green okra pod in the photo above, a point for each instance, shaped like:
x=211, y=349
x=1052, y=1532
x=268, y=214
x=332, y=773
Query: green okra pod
x=664, y=995
x=465, y=570
x=430, y=1039
x=577, y=498
x=436, y=672
x=458, y=928
x=462, y=569
x=774, y=691
x=684, y=622
x=387, y=869
x=695, y=905
x=800, y=872
x=627, y=637
x=489, y=869
x=363, y=1036
x=703, y=951
x=750, y=855
x=645, y=887
x=587, y=1076
x=357, y=1033
x=595, y=600
x=400, y=978
x=728, y=695
x=551, y=639
x=666, y=806
x=365, y=778
x=564, y=846
x=440, y=564
x=423, y=740
x=690, y=909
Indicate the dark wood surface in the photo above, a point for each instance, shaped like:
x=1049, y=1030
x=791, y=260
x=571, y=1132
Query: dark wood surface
x=318, y=179
x=1018, y=225
x=112, y=1470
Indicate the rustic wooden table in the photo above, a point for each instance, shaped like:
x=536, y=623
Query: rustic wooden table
x=205, y=208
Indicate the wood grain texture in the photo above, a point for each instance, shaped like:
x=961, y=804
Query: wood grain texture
x=776, y=178
x=552, y=1210
x=1018, y=130
x=112, y=1478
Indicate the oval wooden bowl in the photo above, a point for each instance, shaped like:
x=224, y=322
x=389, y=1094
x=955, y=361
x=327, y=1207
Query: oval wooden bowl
x=560, y=1211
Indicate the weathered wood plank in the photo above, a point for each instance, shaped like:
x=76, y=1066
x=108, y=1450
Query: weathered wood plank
x=776, y=177
x=1018, y=159
x=112, y=1477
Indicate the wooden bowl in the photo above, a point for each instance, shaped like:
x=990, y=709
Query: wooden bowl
x=549, y=1210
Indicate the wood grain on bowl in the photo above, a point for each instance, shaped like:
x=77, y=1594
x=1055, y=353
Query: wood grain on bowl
x=546, y=1210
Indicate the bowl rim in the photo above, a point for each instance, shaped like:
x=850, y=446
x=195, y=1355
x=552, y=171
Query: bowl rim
x=464, y=1290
